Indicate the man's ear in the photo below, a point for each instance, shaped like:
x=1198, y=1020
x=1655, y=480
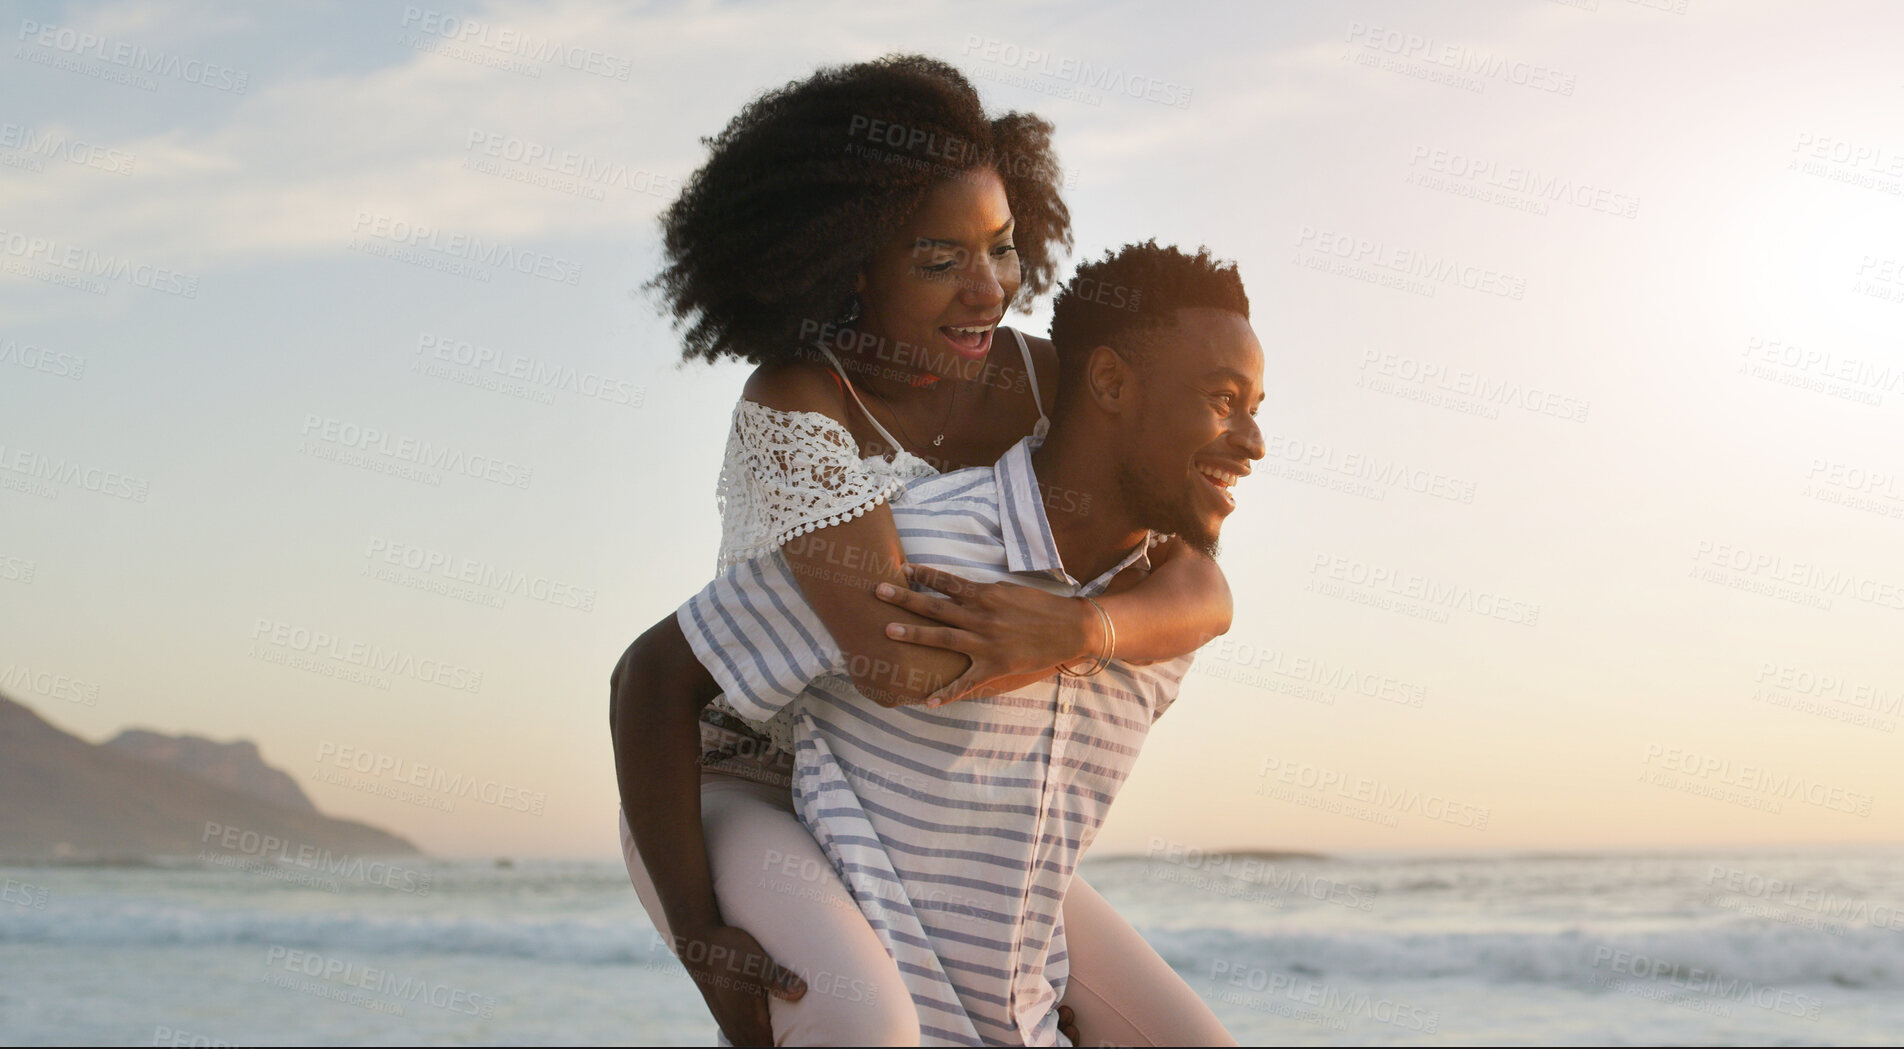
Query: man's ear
x=1109, y=381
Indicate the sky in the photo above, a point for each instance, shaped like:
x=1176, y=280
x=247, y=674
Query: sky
x=1581, y=528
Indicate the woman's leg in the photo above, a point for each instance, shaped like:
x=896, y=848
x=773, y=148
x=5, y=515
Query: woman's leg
x=772, y=880
x=1121, y=989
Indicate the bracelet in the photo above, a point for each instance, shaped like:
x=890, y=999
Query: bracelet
x=1099, y=662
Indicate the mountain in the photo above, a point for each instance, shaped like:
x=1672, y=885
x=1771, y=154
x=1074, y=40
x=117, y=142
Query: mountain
x=63, y=798
x=236, y=765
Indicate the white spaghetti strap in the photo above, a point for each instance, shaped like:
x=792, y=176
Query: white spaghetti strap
x=891, y=442
x=1031, y=372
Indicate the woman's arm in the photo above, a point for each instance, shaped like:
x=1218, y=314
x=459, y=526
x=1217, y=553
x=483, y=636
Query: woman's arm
x=1177, y=609
x=1015, y=635
x=838, y=566
x=656, y=695
x=982, y=638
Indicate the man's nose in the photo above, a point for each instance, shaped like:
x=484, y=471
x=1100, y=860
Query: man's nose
x=1248, y=437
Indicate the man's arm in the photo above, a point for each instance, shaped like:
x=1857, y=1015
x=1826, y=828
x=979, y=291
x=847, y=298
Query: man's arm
x=656, y=695
x=657, y=692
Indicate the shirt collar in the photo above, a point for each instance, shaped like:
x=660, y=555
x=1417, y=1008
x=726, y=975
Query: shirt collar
x=1029, y=546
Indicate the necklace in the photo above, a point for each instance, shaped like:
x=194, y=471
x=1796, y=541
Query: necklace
x=953, y=403
x=951, y=406
x=943, y=423
x=947, y=421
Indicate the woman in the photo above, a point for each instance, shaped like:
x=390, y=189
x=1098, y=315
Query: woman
x=858, y=236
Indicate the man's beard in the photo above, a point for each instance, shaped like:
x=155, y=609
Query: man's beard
x=1153, y=507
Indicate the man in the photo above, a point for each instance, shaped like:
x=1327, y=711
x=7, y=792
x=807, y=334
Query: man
x=957, y=829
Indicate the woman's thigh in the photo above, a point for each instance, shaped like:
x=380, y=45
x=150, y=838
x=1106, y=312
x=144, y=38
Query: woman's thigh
x=771, y=879
x=1120, y=988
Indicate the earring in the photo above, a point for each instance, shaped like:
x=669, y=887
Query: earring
x=852, y=310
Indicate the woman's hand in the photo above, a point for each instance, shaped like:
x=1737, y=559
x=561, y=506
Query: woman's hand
x=1013, y=634
x=735, y=975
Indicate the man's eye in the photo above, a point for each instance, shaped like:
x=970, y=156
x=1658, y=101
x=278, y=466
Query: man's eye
x=1224, y=401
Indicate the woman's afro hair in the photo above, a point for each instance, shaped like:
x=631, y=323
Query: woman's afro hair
x=768, y=238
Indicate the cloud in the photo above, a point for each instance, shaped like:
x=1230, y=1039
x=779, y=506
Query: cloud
x=513, y=121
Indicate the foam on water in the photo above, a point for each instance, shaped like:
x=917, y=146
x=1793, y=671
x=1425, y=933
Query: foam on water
x=1745, y=951
x=1543, y=948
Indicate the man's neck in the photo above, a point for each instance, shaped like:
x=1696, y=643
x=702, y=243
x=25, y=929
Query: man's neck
x=1084, y=505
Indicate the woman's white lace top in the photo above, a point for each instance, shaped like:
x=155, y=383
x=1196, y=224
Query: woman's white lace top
x=789, y=473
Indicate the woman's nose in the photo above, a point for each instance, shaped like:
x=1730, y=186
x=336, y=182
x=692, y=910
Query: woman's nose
x=982, y=286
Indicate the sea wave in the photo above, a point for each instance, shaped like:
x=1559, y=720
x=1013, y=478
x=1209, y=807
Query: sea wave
x=576, y=940
x=1744, y=949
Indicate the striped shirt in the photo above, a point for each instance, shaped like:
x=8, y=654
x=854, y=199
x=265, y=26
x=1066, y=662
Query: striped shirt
x=956, y=829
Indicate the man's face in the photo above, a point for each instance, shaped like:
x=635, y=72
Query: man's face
x=1194, y=431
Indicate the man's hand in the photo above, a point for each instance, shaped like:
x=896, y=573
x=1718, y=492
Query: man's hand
x=1014, y=634
x=735, y=975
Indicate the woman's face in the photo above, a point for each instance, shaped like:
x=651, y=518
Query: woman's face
x=933, y=294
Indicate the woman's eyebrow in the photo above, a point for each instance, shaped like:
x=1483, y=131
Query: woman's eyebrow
x=942, y=242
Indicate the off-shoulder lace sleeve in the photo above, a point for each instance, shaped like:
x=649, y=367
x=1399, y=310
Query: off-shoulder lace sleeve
x=788, y=473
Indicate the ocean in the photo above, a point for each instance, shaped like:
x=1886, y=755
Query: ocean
x=1766, y=947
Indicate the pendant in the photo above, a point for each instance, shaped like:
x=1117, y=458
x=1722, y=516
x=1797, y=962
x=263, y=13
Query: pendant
x=939, y=440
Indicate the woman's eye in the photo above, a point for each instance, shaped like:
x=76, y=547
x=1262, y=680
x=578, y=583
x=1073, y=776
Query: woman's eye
x=941, y=267
x=1004, y=249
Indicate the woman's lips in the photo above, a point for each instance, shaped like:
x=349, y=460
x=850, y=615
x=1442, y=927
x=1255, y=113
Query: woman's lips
x=970, y=345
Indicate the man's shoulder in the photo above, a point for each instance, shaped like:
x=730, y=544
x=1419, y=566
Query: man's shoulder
x=973, y=489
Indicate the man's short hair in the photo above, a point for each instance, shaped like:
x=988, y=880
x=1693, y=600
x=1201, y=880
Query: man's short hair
x=1117, y=300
